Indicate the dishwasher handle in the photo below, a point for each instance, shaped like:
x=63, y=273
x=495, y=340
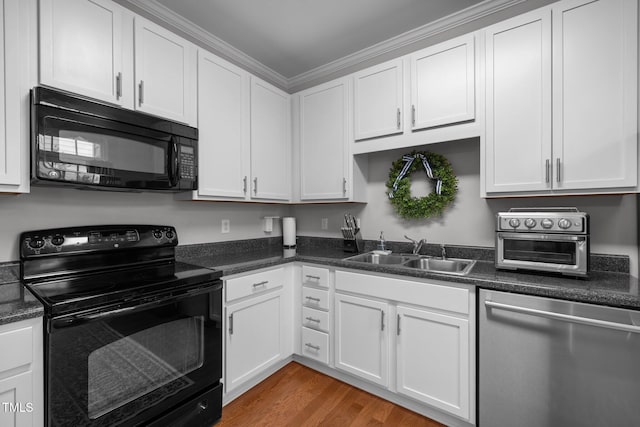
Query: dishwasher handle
x=563, y=317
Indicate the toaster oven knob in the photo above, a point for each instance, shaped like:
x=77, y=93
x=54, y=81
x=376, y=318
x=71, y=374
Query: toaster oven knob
x=564, y=223
x=169, y=234
x=530, y=222
x=157, y=234
x=36, y=243
x=514, y=222
x=57, y=240
x=546, y=223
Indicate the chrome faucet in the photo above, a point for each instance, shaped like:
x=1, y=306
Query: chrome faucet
x=417, y=245
x=444, y=251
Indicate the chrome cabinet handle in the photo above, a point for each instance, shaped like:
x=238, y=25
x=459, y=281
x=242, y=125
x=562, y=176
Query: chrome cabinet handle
x=231, y=324
x=263, y=283
x=141, y=92
x=313, y=299
x=547, y=170
x=255, y=186
x=398, y=326
x=344, y=185
x=558, y=169
x=118, y=85
x=244, y=185
x=382, y=321
x=413, y=115
x=311, y=319
x=398, y=118
x=308, y=276
x=564, y=317
x=315, y=347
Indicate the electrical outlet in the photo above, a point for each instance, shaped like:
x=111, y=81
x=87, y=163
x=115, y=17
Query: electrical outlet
x=225, y=227
x=324, y=224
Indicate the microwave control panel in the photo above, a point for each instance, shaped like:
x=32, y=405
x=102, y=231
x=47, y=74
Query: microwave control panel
x=187, y=162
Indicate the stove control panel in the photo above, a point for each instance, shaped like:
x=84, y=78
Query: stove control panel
x=95, y=238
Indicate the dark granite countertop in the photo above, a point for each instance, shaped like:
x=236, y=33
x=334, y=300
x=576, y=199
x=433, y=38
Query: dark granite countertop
x=16, y=302
x=604, y=288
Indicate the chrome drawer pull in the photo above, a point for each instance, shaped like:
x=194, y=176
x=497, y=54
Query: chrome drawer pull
x=315, y=347
x=263, y=283
x=308, y=276
x=313, y=299
x=311, y=319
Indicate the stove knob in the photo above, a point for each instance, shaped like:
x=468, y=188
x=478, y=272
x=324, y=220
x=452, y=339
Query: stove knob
x=564, y=223
x=514, y=222
x=36, y=243
x=157, y=234
x=57, y=240
x=530, y=222
x=169, y=234
x=546, y=223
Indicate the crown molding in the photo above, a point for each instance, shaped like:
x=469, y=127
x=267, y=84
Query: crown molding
x=223, y=48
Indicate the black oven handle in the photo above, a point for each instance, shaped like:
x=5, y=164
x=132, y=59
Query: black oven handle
x=173, y=162
x=141, y=304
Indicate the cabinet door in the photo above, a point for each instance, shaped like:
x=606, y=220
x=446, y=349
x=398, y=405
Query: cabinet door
x=254, y=338
x=16, y=395
x=270, y=142
x=595, y=53
x=223, y=117
x=378, y=100
x=518, y=98
x=324, y=134
x=165, y=69
x=81, y=47
x=433, y=359
x=443, y=83
x=362, y=338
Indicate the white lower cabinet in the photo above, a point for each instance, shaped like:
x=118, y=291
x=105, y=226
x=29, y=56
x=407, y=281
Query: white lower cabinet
x=21, y=374
x=362, y=338
x=433, y=359
x=315, y=328
x=256, y=325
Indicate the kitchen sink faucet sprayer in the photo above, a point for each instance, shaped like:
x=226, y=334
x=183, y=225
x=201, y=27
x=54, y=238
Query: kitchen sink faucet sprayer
x=443, y=251
x=417, y=245
x=381, y=242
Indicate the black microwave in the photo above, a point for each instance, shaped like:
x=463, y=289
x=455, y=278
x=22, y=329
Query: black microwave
x=76, y=141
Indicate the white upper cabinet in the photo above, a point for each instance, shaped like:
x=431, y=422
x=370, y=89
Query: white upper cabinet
x=223, y=117
x=270, y=142
x=562, y=100
x=518, y=64
x=443, y=83
x=378, y=100
x=82, y=48
x=324, y=141
x=165, y=71
x=17, y=50
x=595, y=93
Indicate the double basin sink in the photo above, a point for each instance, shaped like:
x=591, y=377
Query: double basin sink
x=455, y=266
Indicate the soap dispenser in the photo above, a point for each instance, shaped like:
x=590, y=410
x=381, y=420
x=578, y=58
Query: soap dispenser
x=381, y=242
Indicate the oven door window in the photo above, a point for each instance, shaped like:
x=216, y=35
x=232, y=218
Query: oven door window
x=77, y=152
x=542, y=251
x=132, y=366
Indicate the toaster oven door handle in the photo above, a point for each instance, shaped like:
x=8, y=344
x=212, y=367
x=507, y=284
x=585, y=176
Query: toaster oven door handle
x=541, y=236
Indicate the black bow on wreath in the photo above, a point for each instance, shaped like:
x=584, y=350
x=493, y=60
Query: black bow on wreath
x=408, y=161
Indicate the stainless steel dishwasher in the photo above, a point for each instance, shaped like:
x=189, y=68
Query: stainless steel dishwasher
x=546, y=362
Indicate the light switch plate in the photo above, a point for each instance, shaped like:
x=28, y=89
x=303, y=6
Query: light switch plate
x=324, y=224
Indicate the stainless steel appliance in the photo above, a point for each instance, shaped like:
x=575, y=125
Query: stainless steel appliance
x=553, y=240
x=80, y=142
x=132, y=337
x=545, y=362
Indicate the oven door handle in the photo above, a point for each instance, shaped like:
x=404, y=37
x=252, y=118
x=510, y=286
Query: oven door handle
x=538, y=236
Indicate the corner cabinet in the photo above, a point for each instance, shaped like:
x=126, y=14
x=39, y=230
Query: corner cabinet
x=270, y=142
x=18, y=50
x=562, y=100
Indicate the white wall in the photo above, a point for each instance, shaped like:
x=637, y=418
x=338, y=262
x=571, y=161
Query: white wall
x=196, y=222
x=470, y=220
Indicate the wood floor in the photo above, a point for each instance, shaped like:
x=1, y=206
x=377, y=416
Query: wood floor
x=299, y=396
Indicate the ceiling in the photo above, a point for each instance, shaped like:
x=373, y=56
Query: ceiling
x=293, y=37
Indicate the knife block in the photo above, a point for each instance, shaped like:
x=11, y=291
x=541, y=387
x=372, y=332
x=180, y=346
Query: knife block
x=354, y=245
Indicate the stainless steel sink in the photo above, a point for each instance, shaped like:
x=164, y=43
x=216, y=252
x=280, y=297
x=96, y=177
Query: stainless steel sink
x=460, y=267
x=372, y=258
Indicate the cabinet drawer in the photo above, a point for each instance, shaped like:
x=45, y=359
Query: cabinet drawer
x=254, y=283
x=20, y=344
x=316, y=276
x=315, y=319
x=315, y=345
x=315, y=298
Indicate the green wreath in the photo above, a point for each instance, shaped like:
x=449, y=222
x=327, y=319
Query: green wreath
x=437, y=168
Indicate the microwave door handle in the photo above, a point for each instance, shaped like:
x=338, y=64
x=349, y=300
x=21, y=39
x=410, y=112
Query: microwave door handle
x=173, y=163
